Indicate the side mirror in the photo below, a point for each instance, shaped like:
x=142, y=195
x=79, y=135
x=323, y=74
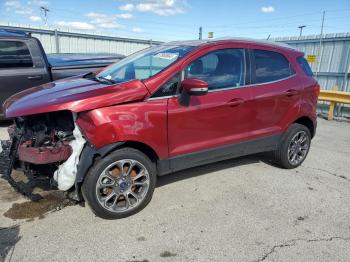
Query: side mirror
x=194, y=87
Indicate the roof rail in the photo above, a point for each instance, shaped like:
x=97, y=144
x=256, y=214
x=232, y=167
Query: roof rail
x=7, y=33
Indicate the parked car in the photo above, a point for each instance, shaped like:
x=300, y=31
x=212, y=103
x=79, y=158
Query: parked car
x=164, y=109
x=24, y=64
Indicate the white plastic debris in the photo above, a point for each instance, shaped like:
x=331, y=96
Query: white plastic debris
x=66, y=173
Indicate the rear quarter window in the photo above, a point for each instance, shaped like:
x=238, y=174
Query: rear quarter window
x=305, y=66
x=14, y=54
x=271, y=66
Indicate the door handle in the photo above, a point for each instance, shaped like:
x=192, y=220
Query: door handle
x=291, y=92
x=35, y=77
x=235, y=102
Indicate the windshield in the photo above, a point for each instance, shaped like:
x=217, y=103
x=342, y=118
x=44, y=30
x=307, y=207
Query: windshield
x=144, y=64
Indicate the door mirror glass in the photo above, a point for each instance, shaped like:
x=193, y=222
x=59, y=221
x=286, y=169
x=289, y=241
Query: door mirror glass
x=194, y=87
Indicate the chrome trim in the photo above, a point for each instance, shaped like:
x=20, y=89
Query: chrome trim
x=227, y=88
x=198, y=89
x=251, y=85
x=161, y=97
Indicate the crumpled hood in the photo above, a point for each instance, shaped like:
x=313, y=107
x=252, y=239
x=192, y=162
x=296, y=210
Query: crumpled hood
x=75, y=94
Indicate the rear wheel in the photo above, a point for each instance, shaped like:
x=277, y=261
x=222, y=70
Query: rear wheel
x=294, y=147
x=121, y=184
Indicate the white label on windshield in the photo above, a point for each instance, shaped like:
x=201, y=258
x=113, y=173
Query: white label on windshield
x=168, y=56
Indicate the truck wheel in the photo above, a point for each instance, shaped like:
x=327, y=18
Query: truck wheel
x=120, y=184
x=294, y=147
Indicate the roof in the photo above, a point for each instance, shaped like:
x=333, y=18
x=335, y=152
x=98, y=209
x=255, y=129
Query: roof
x=10, y=33
x=231, y=39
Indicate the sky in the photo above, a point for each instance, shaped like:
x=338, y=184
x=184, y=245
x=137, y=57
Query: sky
x=167, y=20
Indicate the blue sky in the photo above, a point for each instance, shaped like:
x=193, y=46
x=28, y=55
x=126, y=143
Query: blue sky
x=180, y=19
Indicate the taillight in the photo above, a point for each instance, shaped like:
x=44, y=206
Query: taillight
x=317, y=89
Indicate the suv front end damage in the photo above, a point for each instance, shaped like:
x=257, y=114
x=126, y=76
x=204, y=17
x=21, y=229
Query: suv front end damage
x=48, y=144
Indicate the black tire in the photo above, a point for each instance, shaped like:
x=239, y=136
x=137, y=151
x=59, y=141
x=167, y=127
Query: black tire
x=281, y=154
x=89, y=189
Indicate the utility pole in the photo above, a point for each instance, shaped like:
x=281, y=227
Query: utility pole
x=200, y=33
x=44, y=10
x=301, y=30
x=320, y=46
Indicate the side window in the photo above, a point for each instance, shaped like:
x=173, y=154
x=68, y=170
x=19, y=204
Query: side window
x=271, y=66
x=14, y=54
x=305, y=66
x=169, y=88
x=220, y=69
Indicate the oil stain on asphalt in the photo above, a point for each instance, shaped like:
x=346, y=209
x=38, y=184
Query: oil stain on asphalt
x=32, y=209
x=167, y=254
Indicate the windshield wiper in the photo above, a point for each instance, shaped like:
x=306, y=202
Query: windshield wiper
x=100, y=79
x=104, y=80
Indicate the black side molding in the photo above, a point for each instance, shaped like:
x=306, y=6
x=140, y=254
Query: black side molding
x=218, y=154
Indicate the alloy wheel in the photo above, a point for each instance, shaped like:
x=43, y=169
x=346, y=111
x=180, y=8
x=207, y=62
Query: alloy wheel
x=122, y=186
x=298, y=148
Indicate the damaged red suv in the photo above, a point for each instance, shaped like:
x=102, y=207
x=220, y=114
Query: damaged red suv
x=106, y=136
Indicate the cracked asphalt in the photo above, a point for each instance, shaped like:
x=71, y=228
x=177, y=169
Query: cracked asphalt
x=237, y=210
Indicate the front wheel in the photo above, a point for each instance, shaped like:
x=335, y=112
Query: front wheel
x=120, y=184
x=294, y=147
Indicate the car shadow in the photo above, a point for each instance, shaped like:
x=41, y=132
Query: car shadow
x=222, y=165
x=9, y=237
x=5, y=123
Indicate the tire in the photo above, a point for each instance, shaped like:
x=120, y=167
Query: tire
x=109, y=177
x=283, y=155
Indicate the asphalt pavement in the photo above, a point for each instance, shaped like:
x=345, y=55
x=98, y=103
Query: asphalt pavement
x=243, y=209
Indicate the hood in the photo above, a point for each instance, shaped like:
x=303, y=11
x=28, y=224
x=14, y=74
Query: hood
x=75, y=94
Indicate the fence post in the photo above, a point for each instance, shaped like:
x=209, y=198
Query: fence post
x=57, y=42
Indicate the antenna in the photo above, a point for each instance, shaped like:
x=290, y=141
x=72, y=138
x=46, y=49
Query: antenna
x=44, y=10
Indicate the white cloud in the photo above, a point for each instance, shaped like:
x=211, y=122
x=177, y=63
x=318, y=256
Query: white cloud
x=267, y=9
x=125, y=16
x=35, y=18
x=137, y=30
x=127, y=7
x=18, y=8
x=103, y=20
x=163, y=7
x=76, y=25
x=38, y=2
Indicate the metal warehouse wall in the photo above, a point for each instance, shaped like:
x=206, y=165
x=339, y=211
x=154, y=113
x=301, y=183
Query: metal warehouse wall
x=334, y=58
x=55, y=41
x=331, y=66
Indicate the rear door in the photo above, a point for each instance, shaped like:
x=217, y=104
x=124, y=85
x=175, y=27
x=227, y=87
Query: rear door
x=275, y=91
x=217, y=119
x=21, y=67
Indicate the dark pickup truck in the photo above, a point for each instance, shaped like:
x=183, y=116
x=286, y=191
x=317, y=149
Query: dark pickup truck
x=24, y=64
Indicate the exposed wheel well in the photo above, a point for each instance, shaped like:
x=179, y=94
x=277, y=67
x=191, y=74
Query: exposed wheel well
x=306, y=121
x=147, y=150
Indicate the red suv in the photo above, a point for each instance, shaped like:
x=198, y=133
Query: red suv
x=106, y=136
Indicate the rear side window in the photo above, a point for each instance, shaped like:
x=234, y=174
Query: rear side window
x=305, y=66
x=271, y=66
x=14, y=54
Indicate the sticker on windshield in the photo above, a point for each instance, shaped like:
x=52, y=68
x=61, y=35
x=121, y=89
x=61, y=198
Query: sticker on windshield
x=168, y=56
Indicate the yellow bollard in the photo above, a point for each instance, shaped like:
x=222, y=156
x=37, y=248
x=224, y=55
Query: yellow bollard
x=331, y=110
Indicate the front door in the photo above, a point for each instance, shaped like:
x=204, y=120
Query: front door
x=216, y=120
